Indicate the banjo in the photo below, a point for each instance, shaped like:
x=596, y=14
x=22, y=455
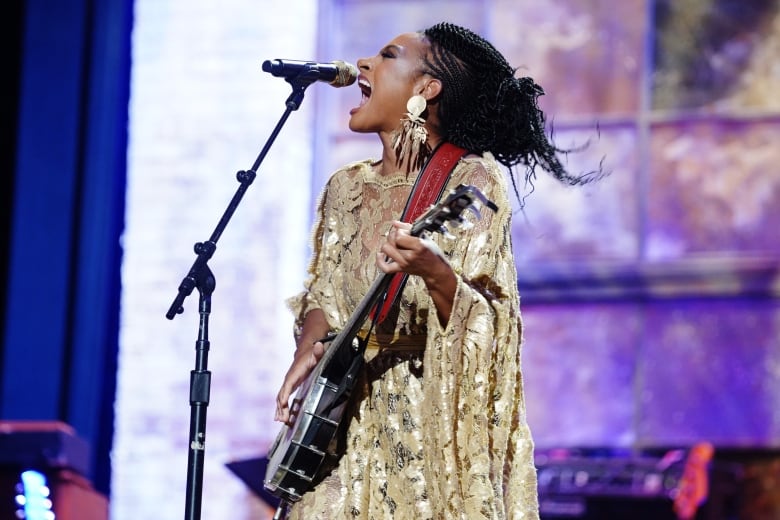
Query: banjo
x=297, y=457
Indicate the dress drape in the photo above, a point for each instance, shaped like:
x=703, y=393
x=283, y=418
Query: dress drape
x=437, y=426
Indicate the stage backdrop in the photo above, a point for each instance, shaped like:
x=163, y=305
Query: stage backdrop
x=201, y=108
x=651, y=297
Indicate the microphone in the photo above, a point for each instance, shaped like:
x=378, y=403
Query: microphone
x=337, y=73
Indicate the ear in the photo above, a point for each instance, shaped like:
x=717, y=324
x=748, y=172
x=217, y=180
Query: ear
x=431, y=89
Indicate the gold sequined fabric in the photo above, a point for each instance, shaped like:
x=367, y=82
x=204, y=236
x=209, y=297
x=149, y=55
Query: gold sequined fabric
x=436, y=432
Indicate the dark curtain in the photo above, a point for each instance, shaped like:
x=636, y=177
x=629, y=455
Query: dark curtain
x=64, y=138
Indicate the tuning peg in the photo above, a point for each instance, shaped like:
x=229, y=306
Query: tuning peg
x=464, y=224
x=475, y=210
x=446, y=232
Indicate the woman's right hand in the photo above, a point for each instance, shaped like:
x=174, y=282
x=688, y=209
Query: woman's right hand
x=307, y=355
x=306, y=358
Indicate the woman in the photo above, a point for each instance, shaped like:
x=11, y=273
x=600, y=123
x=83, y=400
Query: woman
x=436, y=425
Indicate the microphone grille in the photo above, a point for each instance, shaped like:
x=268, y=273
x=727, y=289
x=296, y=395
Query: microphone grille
x=347, y=74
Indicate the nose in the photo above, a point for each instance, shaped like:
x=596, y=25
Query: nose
x=363, y=63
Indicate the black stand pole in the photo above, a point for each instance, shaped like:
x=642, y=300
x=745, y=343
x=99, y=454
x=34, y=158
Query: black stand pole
x=200, y=385
x=200, y=276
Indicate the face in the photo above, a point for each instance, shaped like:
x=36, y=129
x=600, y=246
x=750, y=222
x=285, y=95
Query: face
x=387, y=81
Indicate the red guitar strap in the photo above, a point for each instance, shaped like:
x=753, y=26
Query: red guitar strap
x=427, y=190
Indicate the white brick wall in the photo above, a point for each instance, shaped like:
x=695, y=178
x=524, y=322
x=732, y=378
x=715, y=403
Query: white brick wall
x=201, y=108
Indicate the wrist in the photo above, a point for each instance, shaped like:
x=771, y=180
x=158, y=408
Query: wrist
x=441, y=278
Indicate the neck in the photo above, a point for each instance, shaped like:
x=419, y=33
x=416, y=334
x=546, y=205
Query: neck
x=389, y=162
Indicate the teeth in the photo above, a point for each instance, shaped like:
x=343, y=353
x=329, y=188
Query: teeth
x=365, y=90
x=365, y=87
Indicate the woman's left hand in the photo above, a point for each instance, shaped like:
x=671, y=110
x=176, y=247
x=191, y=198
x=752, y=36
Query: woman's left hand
x=403, y=252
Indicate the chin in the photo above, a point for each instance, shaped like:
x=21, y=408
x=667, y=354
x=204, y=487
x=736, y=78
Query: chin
x=356, y=126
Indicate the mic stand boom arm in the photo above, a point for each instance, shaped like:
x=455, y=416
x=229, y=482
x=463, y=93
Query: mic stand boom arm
x=201, y=277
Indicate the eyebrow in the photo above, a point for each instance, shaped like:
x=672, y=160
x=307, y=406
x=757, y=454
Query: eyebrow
x=391, y=46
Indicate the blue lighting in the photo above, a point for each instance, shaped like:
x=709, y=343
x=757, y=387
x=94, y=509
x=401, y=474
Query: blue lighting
x=34, y=499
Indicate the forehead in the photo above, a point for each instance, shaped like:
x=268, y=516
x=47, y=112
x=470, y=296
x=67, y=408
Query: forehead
x=410, y=43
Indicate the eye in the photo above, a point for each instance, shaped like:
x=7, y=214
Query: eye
x=388, y=52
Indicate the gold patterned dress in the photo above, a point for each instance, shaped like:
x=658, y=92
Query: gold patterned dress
x=437, y=426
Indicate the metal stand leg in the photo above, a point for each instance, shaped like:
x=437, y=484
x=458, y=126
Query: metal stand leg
x=281, y=511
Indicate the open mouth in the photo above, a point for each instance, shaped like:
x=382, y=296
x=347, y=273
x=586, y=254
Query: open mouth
x=365, y=89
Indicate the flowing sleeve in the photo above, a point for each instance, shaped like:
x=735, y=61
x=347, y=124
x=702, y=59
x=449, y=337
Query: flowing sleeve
x=473, y=384
x=329, y=271
x=308, y=300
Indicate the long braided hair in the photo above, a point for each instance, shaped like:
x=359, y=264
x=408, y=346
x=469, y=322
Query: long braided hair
x=484, y=107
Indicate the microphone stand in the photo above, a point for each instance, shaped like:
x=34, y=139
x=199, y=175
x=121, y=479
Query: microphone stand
x=201, y=277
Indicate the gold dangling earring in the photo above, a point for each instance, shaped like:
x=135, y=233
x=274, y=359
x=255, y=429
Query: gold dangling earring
x=411, y=142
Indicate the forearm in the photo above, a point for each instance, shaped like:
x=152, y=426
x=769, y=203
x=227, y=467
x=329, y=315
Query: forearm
x=442, y=284
x=315, y=327
x=307, y=354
